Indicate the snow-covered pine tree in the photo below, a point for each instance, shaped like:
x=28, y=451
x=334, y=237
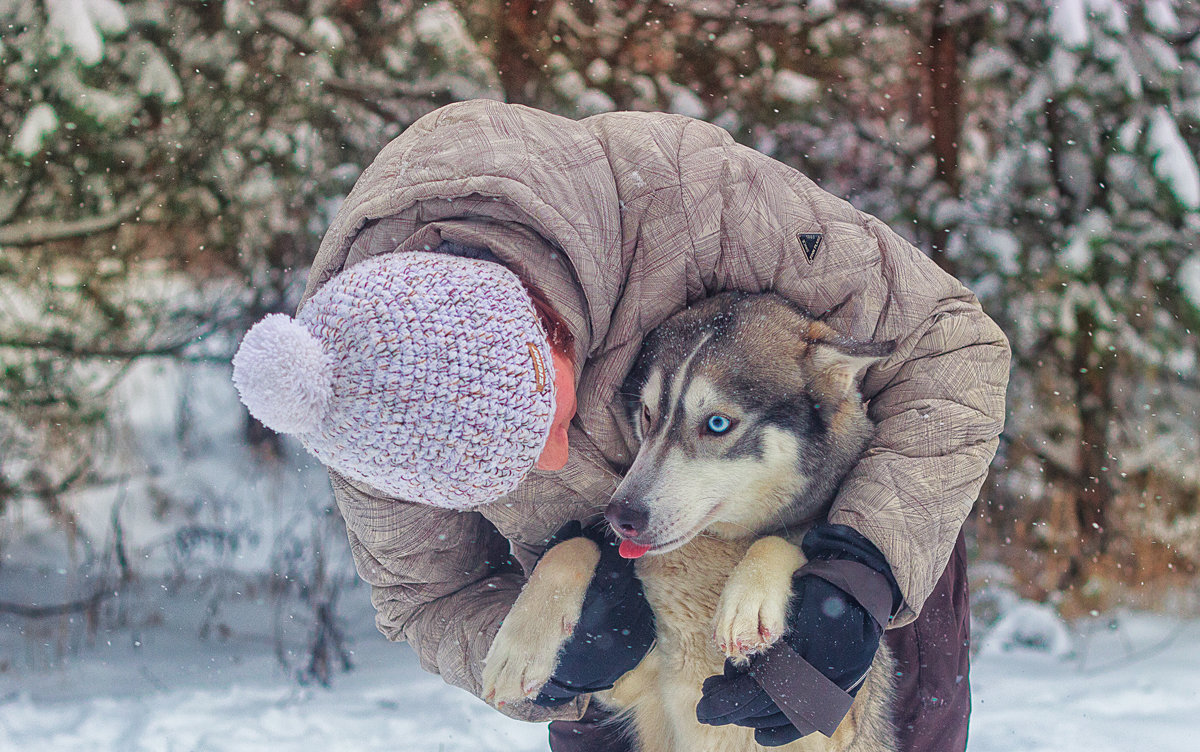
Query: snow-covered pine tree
x=1082, y=233
x=166, y=173
x=841, y=91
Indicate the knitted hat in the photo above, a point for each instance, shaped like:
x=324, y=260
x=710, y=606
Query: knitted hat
x=423, y=375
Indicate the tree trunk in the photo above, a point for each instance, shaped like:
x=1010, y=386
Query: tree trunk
x=942, y=63
x=518, y=23
x=1093, y=400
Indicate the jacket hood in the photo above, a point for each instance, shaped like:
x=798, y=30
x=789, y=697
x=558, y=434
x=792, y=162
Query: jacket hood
x=421, y=191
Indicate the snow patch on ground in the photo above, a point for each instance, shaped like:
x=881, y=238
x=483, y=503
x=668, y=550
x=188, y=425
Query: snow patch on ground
x=162, y=688
x=1029, y=627
x=1131, y=683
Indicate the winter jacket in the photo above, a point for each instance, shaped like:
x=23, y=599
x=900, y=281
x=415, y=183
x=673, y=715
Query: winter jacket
x=621, y=220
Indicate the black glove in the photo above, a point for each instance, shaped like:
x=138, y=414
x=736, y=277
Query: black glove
x=736, y=697
x=615, y=628
x=840, y=603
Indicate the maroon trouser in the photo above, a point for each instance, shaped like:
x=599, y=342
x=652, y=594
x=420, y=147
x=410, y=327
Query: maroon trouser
x=933, y=694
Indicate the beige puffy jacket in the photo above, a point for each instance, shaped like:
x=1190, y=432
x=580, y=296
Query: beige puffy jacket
x=621, y=220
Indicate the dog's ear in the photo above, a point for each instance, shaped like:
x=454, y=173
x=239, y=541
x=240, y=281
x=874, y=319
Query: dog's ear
x=838, y=361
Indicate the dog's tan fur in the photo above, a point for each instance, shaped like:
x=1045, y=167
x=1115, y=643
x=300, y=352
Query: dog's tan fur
x=548, y=608
x=722, y=593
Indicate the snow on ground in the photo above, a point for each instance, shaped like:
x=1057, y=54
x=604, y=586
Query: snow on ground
x=1129, y=682
x=161, y=689
x=386, y=705
x=1132, y=682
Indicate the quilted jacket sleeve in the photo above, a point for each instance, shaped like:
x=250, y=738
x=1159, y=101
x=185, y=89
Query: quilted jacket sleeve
x=938, y=402
x=441, y=580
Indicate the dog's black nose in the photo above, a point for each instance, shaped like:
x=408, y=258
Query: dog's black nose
x=626, y=519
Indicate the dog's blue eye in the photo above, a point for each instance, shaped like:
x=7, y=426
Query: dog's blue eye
x=718, y=423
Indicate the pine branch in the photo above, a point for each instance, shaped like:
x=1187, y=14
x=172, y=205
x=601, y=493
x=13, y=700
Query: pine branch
x=58, y=609
x=392, y=102
x=36, y=232
x=173, y=349
x=290, y=27
x=108, y=353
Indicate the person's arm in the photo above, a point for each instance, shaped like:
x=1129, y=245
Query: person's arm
x=440, y=580
x=938, y=399
x=938, y=403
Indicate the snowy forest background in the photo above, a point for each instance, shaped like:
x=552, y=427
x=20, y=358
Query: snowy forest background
x=167, y=170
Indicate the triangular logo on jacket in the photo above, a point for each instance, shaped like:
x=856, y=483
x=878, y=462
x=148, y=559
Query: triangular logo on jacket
x=811, y=242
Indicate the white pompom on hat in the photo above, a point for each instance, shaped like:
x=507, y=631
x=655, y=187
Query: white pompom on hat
x=283, y=375
x=424, y=375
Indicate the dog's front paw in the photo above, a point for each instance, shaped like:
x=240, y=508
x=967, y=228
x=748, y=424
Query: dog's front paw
x=748, y=621
x=525, y=650
x=752, y=612
x=523, y=656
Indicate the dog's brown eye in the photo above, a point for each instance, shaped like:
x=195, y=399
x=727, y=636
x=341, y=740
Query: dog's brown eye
x=646, y=414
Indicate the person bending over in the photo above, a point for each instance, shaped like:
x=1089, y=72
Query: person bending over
x=472, y=311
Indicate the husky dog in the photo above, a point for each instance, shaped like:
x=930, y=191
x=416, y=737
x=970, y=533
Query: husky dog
x=748, y=416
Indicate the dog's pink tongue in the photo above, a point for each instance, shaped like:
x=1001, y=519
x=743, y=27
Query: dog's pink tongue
x=631, y=550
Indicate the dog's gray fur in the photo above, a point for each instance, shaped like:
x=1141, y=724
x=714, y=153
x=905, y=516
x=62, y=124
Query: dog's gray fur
x=780, y=373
